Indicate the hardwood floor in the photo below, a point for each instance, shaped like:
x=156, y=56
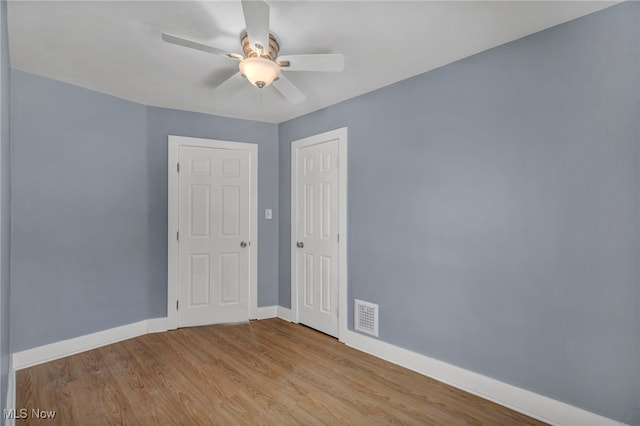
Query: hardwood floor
x=264, y=372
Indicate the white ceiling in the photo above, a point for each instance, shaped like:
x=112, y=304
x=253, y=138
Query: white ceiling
x=115, y=47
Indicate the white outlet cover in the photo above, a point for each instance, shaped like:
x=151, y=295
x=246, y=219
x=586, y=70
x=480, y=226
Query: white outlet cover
x=268, y=214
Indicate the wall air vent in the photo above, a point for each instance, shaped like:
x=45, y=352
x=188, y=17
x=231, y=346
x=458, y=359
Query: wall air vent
x=365, y=317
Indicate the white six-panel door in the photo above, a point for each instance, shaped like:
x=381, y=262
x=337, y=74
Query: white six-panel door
x=213, y=235
x=315, y=231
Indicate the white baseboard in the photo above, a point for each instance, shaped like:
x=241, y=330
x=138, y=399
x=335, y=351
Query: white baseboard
x=518, y=399
x=52, y=351
x=157, y=325
x=265, y=312
x=284, y=313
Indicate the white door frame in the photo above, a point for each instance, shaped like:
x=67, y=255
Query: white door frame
x=341, y=136
x=175, y=142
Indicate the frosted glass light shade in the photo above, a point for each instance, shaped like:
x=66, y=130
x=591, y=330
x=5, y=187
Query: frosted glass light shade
x=259, y=71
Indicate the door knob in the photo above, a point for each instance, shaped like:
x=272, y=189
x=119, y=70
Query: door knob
x=243, y=244
x=300, y=244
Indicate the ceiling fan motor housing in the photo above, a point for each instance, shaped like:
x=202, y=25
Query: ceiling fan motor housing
x=249, y=52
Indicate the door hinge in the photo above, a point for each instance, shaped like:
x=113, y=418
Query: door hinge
x=338, y=162
x=178, y=236
x=178, y=167
x=177, y=305
x=338, y=237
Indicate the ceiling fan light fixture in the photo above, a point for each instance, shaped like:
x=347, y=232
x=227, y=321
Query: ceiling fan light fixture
x=260, y=72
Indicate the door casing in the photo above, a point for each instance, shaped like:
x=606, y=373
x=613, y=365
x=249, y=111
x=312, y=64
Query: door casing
x=341, y=136
x=174, y=144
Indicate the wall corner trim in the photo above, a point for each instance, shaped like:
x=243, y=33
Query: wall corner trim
x=11, y=394
x=518, y=399
x=61, y=349
x=284, y=313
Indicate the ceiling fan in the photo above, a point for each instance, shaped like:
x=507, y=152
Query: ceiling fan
x=260, y=62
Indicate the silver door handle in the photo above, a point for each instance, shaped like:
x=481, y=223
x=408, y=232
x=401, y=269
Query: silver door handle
x=243, y=244
x=300, y=244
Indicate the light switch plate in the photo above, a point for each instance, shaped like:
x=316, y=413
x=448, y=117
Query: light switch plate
x=268, y=214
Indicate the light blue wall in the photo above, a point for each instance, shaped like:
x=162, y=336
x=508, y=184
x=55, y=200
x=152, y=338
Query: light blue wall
x=5, y=201
x=80, y=239
x=89, y=206
x=164, y=122
x=493, y=211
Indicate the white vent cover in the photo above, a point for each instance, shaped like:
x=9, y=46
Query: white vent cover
x=365, y=317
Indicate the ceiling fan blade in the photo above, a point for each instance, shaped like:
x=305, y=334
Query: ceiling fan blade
x=198, y=45
x=256, y=18
x=291, y=92
x=226, y=82
x=332, y=62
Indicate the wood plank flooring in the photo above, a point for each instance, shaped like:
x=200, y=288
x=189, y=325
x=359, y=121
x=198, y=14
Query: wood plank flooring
x=264, y=372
